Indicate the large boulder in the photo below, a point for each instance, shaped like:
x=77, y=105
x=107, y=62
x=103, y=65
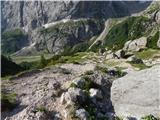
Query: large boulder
x=137, y=94
x=136, y=44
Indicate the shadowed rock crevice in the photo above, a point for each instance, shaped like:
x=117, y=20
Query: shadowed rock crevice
x=21, y=13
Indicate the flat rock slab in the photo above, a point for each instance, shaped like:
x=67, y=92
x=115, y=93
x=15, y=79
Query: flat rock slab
x=137, y=94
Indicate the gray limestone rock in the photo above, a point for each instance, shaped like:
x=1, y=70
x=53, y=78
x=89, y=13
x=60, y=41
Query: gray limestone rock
x=137, y=94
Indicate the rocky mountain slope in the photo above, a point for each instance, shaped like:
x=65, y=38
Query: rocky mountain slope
x=104, y=64
x=30, y=16
x=85, y=90
x=34, y=14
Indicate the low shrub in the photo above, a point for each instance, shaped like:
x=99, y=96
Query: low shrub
x=66, y=71
x=149, y=117
x=129, y=29
x=102, y=69
x=8, y=67
x=89, y=72
x=13, y=40
x=141, y=66
x=8, y=101
x=152, y=41
x=41, y=109
x=88, y=83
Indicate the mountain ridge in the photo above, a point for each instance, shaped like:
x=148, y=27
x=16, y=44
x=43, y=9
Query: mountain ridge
x=21, y=16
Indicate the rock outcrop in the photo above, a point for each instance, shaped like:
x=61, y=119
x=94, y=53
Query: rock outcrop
x=135, y=45
x=137, y=94
x=66, y=35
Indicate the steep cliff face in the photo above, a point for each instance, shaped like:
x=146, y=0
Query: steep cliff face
x=31, y=16
x=55, y=39
x=34, y=14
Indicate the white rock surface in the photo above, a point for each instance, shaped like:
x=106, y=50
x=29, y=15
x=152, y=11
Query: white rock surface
x=95, y=93
x=80, y=82
x=120, y=53
x=137, y=94
x=82, y=114
x=158, y=17
x=136, y=44
x=110, y=56
x=72, y=95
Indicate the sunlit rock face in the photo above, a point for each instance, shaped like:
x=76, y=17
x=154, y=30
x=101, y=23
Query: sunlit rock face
x=137, y=96
x=34, y=14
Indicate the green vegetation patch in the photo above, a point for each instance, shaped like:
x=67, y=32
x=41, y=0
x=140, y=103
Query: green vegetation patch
x=13, y=40
x=150, y=117
x=102, y=69
x=41, y=109
x=77, y=58
x=129, y=29
x=112, y=63
x=89, y=72
x=152, y=41
x=8, y=67
x=147, y=54
x=88, y=84
x=8, y=101
x=141, y=66
x=153, y=7
x=16, y=33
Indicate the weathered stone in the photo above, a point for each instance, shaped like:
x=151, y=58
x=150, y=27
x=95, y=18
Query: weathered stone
x=137, y=94
x=120, y=53
x=135, y=60
x=40, y=115
x=136, y=44
x=102, y=51
x=73, y=95
x=29, y=113
x=109, y=56
x=62, y=100
x=82, y=114
x=79, y=82
x=95, y=93
x=53, y=85
x=157, y=17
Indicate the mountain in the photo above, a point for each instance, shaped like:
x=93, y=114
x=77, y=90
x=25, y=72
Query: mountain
x=29, y=17
x=34, y=14
x=80, y=60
